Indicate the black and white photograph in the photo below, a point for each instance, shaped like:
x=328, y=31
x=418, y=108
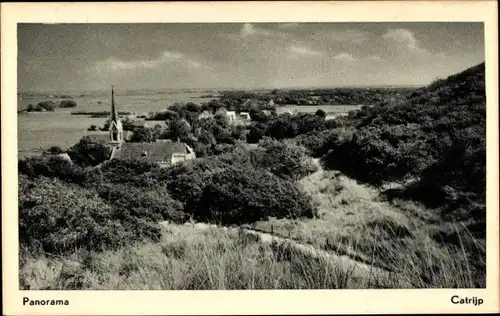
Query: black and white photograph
x=251, y=156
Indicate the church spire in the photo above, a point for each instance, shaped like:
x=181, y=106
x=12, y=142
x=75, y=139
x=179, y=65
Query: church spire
x=114, y=113
x=115, y=128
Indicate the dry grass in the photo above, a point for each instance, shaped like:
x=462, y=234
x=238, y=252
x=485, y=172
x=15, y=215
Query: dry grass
x=355, y=221
x=187, y=259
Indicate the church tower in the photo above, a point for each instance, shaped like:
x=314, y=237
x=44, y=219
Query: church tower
x=115, y=127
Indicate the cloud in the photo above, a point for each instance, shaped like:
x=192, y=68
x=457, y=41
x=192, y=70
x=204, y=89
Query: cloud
x=249, y=29
x=302, y=50
x=404, y=39
x=353, y=36
x=165, y=57
x=345, y=57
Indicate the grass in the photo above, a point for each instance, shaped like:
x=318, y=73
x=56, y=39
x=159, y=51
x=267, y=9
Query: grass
x=398, y=236
x=188, y=259
x=353, y=220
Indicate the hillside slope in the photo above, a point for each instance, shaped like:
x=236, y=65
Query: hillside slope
x=436, y=138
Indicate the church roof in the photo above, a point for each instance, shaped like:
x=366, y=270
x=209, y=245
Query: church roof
x=151, y=152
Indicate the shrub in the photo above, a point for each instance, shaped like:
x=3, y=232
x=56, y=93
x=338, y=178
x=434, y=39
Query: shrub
x=143, y=135
x=46, y=105
x=59, y=217
x=239, y=195
x=54, y=150
x=138, y=173
x=320, y=113
x=287, y=161
x=186, y=182
x=51, y=166
x=67, y=104
x=88, y=153
x=153, y=205
x=255, y=132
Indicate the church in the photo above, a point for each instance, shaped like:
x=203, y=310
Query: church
x=162, y=152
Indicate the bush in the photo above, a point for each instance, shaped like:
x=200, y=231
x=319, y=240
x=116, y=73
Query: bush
x=88, y=153
x=67, y=104
x=143, y=135
x=152, y=205
x=46, y=105
x=320, y=113
x=51, y=166
x=53, y=150
x=239, y=195
x=58, y=217
x=287, y=161
x=138, y=173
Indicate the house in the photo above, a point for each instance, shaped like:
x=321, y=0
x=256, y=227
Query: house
x=163, y=153
x=231, y=115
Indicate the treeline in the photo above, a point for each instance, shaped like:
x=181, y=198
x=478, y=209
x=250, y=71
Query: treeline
x=339, y=96
x=99, y=113
x=50, y=106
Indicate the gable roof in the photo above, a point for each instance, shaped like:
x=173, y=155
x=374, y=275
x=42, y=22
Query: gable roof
x=151, y=152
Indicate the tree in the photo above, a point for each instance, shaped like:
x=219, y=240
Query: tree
x=177, y=129
x=238, y=195
x=321, y=113
x=143, y=135
x=67, y=104
x=89, y=153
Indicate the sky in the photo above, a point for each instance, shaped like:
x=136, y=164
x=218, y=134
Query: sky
x=80, y=57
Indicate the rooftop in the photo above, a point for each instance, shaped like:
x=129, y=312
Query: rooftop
x=151, y=152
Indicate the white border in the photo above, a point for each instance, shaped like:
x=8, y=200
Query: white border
x=242, y=302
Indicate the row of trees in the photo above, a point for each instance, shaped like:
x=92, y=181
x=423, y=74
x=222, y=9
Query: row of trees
x=50, y=105
x=341, y=96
